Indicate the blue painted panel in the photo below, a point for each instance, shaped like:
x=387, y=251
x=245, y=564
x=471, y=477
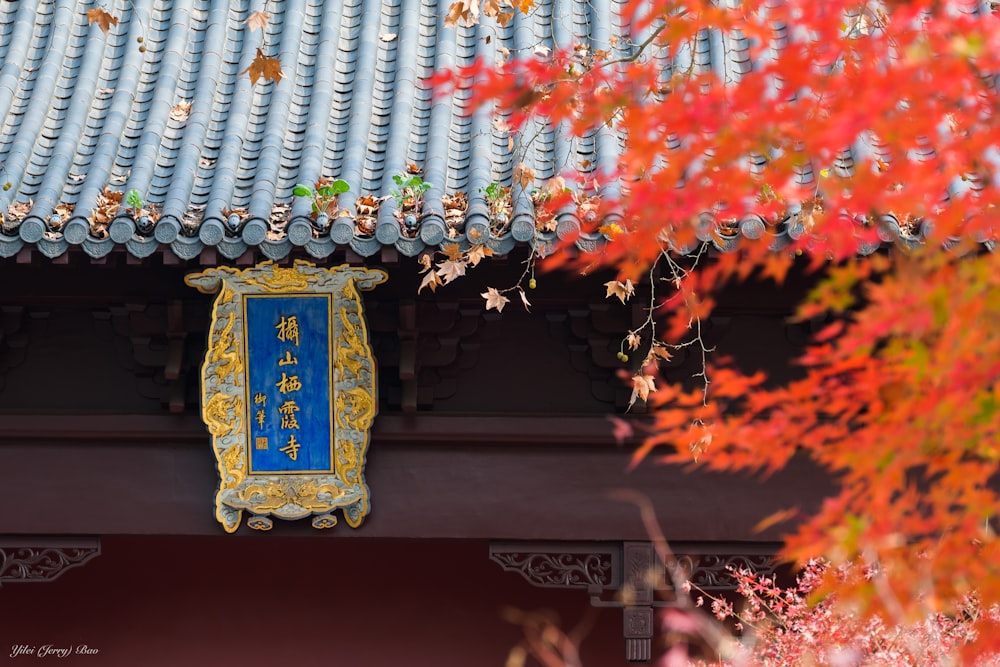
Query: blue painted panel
x=289, y=389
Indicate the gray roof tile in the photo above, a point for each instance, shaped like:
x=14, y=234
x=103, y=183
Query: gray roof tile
x=82, y=111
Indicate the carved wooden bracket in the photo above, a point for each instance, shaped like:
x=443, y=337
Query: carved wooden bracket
x=436, y=344
x=43, y=559
x=632, y=572
x=159, y=335
x=12, y=338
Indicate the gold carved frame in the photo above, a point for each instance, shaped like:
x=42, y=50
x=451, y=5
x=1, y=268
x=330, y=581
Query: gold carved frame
x=224, y=396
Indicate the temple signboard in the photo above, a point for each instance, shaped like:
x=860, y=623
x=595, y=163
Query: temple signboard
x=288, y=392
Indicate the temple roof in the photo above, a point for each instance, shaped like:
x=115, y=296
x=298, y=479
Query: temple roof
x=162, y=105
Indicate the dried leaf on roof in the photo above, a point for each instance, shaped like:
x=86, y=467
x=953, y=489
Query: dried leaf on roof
x=180, y=112
x=279, y=215
x=108, y=203
x=462, y=13
x=524, y=175
x=545, y=217
x=367, y=213
x=102, y=19
x=267, y=67
x=455, y=207
x=258, y=21
x=65, y=212
x=193, y=217
x=19, y=210
x=150, y=212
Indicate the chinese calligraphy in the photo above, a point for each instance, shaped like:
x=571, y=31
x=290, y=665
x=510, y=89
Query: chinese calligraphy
x=288, y=418
x=288, y=332
x=289, y=395
x=292, y=448
x=288, y=329
x=288, y=383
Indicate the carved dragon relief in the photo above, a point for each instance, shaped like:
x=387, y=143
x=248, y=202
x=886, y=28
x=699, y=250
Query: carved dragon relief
x=227, y=404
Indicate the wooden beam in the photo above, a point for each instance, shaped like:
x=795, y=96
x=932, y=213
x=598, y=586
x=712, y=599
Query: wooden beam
x=519, y=490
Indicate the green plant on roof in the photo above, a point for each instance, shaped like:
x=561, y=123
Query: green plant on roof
x=499, y=200
x=323, y=195
x=134, y=201
x=409, y=192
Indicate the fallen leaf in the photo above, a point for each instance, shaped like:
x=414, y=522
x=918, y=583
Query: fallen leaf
x=554, y=186
x=387, y=36
x=102, y=19
x=642, y=385
x=264, y=66
x=524, y=299
x=451, y=269
x=494, y=299
x=524, y=175
x=525, y=5
x=180, y=112
x=431, y=280
x=463, y=13
x=452, y=251
x=258, y=21
x=661, y=352
x=478, y=253
x=64, y=210
x=20, y=209
x=623, y=291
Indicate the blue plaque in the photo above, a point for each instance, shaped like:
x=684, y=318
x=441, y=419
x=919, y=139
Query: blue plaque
x=289, y=380
x=289, y=392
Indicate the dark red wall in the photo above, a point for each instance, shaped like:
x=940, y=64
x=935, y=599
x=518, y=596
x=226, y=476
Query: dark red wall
x=280, y=602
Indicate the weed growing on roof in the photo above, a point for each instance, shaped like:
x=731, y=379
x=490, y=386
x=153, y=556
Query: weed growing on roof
x=323, y=195
x=409, y=196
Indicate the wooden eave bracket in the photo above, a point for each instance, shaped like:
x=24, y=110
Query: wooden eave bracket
x=38, y=558
x=628, y=575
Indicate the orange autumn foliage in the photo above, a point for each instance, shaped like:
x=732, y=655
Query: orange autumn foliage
x=899, y=397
